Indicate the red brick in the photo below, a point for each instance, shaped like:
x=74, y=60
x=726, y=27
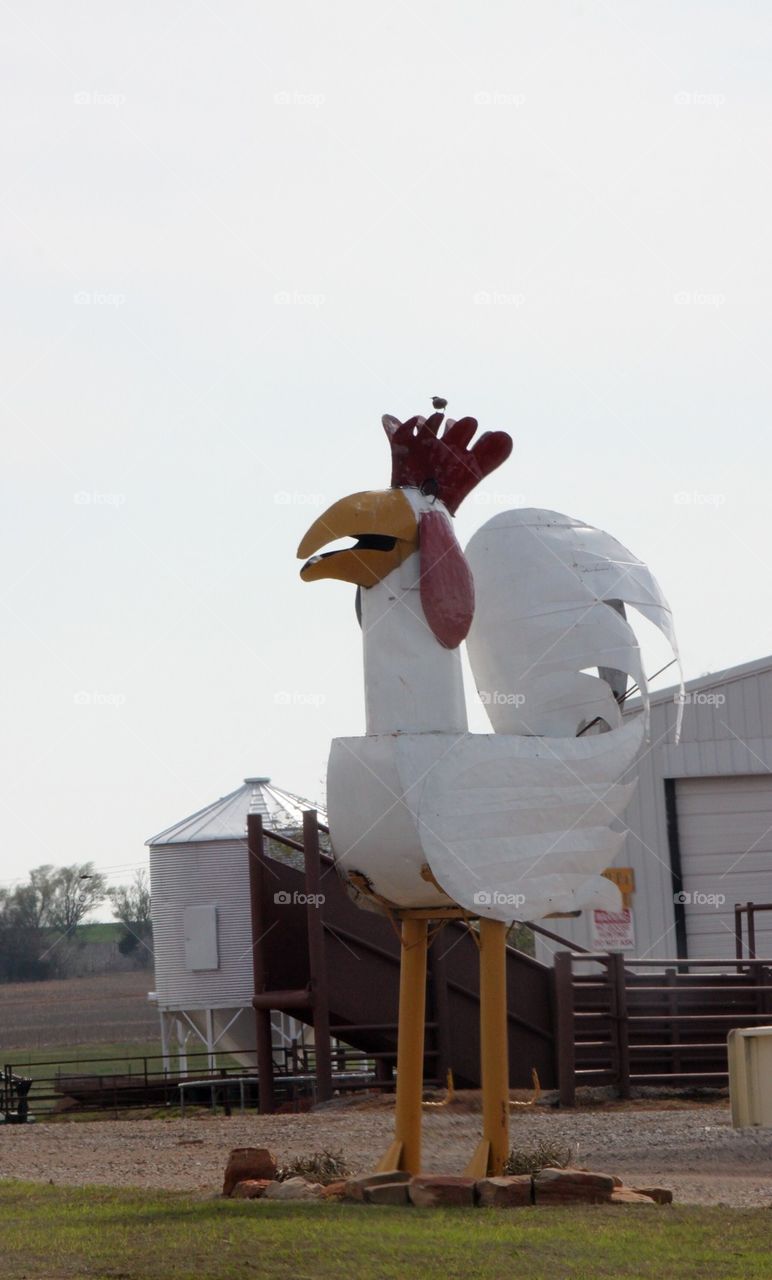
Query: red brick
x=431, y=1191
x=626, y=1195
x=355, y=1187
x=387, y=1193
x=505, y=1193
x=334, y=1190
x=247, y=1163
x=250, y=1189
x=660, y=1195
x=559, y=1185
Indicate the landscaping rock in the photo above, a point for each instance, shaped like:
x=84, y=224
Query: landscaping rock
x=334, y=1190
x=293, y=1189
x=387, y=1193
x=505, y=1193
x=428, y=1192
x=626, y=1195
x=250, y=1189
x=247, y=1163
x=552, y=1186
x=355, y=1187
x=660, y=1195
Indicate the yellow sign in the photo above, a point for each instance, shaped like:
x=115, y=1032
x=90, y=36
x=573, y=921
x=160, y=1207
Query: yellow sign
x=624, y=879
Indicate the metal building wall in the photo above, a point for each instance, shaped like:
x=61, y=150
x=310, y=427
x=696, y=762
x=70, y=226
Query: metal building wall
x=726, y=730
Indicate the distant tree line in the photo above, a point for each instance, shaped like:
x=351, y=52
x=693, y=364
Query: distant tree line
x=131, y=905
x=45, y=911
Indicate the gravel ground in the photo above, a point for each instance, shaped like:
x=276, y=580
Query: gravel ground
x=693, y=1151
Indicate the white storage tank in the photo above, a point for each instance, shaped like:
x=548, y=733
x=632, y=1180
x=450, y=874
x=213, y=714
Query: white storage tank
x=750, y=1076
x=202, y=933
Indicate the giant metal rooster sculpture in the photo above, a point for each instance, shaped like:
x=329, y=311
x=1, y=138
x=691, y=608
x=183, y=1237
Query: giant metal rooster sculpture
x=429, y=821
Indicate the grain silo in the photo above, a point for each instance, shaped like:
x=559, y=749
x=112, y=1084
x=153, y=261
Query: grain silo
x=202, y=935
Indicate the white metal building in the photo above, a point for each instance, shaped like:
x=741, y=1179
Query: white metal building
x=202, y=931
x=700, y=822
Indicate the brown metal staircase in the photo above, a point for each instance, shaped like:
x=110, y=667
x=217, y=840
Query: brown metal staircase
x=336, y=966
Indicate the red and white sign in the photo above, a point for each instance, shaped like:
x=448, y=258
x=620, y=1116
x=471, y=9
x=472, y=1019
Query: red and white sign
x=613, y=930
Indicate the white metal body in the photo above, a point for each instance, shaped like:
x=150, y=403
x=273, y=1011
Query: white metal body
x=507, y=827
x=521, y=823
x=549, y=594
x=412, y=684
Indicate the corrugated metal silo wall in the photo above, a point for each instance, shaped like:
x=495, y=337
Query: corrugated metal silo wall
x=198, y=874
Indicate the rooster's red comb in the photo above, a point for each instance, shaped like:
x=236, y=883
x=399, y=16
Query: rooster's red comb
x=421, y=458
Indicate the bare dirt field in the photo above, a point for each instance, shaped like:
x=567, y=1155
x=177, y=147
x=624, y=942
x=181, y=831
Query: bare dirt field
x=95, y=1010
x=692, y=1150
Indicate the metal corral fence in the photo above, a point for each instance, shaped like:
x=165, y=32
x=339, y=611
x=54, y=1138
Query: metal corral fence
x=147, y=1080
x=668, y=1027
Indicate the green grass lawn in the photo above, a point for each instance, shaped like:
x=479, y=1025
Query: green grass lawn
x=118, y=1058
x=54, y=1233
x=99, y=931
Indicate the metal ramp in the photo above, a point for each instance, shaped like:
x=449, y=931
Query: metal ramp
x=336, y=966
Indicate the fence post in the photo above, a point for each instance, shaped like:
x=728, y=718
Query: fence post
x=751, y=931
x=317, y=959
x=671, y=978
x=763, y=976
x=619, y=1014
x=566, y=1031
x=255, y=854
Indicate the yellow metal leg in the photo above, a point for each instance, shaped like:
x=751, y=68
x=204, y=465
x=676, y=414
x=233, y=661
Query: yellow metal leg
x=405, y=1151
x=491, y=1154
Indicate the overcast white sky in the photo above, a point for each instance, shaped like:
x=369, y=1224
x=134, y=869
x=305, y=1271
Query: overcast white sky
x=234, y=235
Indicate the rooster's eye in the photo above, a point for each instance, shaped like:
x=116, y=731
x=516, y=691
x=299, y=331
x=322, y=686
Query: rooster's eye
x=430, y=488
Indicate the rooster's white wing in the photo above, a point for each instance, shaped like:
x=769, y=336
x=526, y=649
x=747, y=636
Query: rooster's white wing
x=549, y=609
x=515, y=827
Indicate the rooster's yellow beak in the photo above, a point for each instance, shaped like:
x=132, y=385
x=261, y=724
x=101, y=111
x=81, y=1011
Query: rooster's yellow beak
x=384, y=526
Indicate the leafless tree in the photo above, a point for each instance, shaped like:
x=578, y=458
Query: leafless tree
x=78, y=889
x=131, y=903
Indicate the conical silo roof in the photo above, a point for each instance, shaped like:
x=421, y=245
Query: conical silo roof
x=226, y=818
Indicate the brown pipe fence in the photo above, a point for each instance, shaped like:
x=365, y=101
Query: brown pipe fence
x=112, y=1083
x=667, y=1025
